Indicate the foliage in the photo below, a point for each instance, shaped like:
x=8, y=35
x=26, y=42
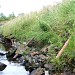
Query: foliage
x=2, y=17
x=5, y=18
x=51, y=25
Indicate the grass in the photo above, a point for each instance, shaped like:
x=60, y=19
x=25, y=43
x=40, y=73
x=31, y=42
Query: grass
x=50, y=25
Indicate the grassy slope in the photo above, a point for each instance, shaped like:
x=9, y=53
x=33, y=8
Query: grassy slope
x=48, y=25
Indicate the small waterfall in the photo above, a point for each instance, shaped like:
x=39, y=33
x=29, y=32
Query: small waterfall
x=12, y=68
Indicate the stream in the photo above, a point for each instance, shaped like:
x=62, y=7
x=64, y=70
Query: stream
x=12, y=68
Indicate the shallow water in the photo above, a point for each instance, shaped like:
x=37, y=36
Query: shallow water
x=12, y=68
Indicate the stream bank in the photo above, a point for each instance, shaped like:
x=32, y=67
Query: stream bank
x=36, y=60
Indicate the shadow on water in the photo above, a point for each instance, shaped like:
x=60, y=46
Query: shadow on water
x=12, y=68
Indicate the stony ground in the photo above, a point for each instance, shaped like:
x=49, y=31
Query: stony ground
x=34, y=58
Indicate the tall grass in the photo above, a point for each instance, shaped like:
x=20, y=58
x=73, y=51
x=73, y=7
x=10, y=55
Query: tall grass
x=52, y=25
x=48, y=25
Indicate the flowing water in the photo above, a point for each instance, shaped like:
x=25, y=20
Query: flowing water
x=12, y=68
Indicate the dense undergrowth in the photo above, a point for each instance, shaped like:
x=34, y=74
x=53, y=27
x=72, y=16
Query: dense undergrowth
x=52, y=25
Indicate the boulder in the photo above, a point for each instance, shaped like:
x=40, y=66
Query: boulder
x=38, y=71
x=45, y=49
x=17, y=56
x=48, y=66
x=2, y=53
x=10, y=54
x=23, y=63
x=2, y=66
x=7, y=43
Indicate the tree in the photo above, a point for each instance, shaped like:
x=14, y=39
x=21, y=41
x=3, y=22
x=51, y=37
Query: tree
x=2, y=17
x=20, y=14
x=11, y=16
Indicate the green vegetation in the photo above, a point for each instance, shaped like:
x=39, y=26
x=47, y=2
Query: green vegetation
x=5, y=18
x=51, y=25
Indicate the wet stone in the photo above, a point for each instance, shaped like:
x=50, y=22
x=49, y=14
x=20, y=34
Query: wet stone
x=38, y=71
x=2, y=66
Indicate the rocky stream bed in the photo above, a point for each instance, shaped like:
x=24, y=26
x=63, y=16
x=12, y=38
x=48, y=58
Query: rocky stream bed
x=11, y=68
x=31, y=57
